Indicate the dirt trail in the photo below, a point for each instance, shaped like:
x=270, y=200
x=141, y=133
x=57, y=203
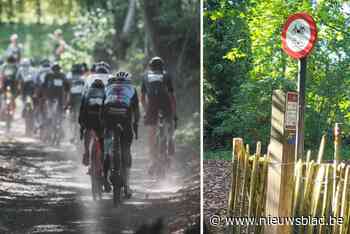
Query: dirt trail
x=46, y=190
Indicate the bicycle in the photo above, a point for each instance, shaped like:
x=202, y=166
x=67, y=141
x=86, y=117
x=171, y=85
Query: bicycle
x=28, y=115
x=96, y=168
x=51, y=131
x=8, y=108
x=72, y=115
x=118, y=171
x=162, y=162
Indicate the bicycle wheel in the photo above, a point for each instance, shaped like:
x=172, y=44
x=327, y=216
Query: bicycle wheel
x=95, y=166
x=116, y=176
x=160, y=169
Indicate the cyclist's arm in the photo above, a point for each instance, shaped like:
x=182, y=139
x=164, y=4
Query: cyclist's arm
x=81, y=111
x=136, y=108
x=143, y=94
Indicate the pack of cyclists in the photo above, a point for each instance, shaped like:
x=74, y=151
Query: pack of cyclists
x=97, y=100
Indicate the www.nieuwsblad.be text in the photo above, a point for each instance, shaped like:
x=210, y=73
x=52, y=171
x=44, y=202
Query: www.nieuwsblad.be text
x=217, y=220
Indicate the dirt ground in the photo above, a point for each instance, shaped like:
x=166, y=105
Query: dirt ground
x=45, y=189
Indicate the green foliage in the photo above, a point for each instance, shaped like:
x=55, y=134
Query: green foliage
x=218, y=154
x=244, y=108
x=188, y=133
x=34, y=38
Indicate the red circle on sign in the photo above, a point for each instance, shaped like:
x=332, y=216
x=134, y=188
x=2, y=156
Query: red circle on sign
x=311, y=40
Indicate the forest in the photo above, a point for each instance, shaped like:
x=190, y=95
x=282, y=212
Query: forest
x=244, y=62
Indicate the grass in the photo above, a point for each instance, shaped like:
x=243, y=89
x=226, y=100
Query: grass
x=217, y=154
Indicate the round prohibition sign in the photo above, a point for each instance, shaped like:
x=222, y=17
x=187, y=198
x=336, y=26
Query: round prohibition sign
x=299, y=35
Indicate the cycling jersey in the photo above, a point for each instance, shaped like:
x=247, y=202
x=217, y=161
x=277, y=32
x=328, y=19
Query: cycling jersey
x=8, y=73
x=54, y=86
x=40, y=76
x=76, y=86
x=15, y=51
x=91, y=107
x=157, y=86
x=27, y=76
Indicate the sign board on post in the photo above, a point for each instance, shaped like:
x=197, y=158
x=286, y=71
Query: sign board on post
x=291, y=111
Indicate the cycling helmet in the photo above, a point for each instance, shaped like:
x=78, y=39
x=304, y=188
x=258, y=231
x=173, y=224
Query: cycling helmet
x=156, y=63
x=55, y=67
x=77, y=69
x=101, y=67
x=97, y=84
x=84, y=67
x=45, y=63
x=11, y=59
x=25, y=62
x=121, y=75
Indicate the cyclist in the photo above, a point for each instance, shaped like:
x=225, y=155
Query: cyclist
x=157, y=95
x=26, y=78
x=120, y=106
x=45, y=67
x=55, y=87
x=38, y=104
x=14, y=49
x=85, y=69
x=76, y=85
x=8, y=80
x=92, y=94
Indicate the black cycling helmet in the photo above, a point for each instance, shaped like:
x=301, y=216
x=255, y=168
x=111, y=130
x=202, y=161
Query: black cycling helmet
x=101, y=68
x=11, y=59
x=55, y=67
x=84, y=67
x=77, y=69
x=156, y=63
x=45, y=63
x=97, y=84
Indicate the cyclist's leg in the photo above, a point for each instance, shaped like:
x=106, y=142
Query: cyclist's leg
x=86, y=158
x=171, y=136
x=127, y=137
x=107, y=149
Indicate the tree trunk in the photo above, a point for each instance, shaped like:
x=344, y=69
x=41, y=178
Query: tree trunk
x=123, y=41
x=38, y=11
x=129, y=20
x=10, y=11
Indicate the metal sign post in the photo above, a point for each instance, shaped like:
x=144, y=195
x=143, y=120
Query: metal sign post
x=298, y=38
x=299, y=147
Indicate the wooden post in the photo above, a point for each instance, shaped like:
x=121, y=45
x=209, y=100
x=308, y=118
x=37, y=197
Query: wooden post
x=337, y=142
x=237, y=144
x=281, y=166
